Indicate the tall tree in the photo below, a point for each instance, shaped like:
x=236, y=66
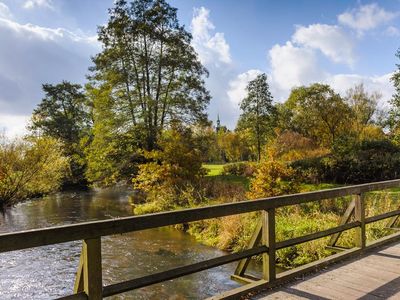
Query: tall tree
x=317, y=112
x=364, y=111
x=151, y=69
x=64, y=114
x=362, y=103
x=258, y=112
x=394, y=112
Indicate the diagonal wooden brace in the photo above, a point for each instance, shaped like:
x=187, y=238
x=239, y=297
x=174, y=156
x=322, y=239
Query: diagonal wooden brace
x=254, y=241
x=344, y=220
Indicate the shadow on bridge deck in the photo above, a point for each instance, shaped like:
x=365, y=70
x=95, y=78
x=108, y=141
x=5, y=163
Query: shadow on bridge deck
x=375, y=275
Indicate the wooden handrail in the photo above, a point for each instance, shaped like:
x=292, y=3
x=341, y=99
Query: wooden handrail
x=87, y=230
x=89, y=275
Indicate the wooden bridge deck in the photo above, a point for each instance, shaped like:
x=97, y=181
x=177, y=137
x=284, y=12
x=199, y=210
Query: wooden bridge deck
x=374, y=275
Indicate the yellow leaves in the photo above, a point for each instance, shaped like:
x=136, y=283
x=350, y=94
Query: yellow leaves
x=272, y=178
x=30, y=167
x=173, y=168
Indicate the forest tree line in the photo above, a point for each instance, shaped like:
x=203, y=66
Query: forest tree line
x=141, y=119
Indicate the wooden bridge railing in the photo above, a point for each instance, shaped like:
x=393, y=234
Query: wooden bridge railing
x=88, y=282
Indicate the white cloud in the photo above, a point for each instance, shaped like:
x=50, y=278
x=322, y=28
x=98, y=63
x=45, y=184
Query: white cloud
x=30, y=4
x=292, y=66
x=237, y=86
x=31, y=31
x=295, y=66
x=382, y=84
x=4, y=11
x=13, y=125
x=331, y=40
x=211, y=48
x=38, y=55
x=366, y=17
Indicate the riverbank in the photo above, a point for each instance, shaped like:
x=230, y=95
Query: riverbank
x=48, y=272
x=233, y=233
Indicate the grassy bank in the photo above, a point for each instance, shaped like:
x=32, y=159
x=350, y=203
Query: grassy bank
x=232, y=233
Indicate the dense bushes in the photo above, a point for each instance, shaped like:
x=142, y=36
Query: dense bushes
x=246, y=169
x=171, y=172
x=29, y=168
x=367, y=162
x=272, y=178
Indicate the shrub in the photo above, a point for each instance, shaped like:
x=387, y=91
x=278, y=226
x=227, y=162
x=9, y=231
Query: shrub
x=246, y=169
x=172, y=169
x=310, y=170
x=30, y=167
x=369, y=161
x=291, y=146
x=273, y=178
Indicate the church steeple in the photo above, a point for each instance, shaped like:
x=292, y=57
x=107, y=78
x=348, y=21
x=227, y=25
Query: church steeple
x=218, y=127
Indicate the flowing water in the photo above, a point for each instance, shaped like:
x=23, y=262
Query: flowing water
x=48, y=272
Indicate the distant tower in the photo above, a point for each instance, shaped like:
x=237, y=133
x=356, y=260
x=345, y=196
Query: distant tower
x=218, y=128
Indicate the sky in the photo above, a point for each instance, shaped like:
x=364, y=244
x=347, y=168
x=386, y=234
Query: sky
x=341, y=43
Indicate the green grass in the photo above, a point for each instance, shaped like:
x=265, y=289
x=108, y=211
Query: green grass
x=213, y=170
x=215, y=173
x=306, y=187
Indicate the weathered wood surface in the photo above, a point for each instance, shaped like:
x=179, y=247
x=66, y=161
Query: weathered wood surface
x=90, y=230
x=89, y=281
x=375, y=275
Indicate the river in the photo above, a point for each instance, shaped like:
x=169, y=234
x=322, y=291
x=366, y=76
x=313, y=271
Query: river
x=48, y=272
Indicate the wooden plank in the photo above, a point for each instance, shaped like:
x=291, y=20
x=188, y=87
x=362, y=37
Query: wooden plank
x=359, y=215
x=79, y=296
x=327, y=289
x=92, y=273
x=316, y=235
x=353, y=280
x=336, y=248
x=268, y=239
x=382, y=216
x=88, y=230
x=245, y=279
x=289, y=275
x=78, y=285
x=393, y=228
x=125, y=286
x=254, y=241
x=392, y=221
x=345, y=219
x=283, y=277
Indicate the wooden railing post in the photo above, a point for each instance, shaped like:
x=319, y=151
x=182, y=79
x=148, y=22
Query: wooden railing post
x=89, y=276
x=268, y=239
x=359, y=214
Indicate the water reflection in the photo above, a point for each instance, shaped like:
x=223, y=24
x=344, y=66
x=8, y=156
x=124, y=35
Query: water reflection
x=48, y=272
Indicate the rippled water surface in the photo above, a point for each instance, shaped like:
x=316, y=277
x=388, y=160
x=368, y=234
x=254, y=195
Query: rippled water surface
x=48, y=272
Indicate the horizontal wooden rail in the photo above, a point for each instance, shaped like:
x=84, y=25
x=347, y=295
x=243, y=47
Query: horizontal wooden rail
x=382, y=216
x=89, y=281
x=88, y=230
x=316, y=235
x=179, y=272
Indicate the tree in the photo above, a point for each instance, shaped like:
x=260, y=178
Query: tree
x=112, y=153
x=394, y=112
x=258, y=111
x=152, y=71
x=29, y=167
x=317, y=112
x=173, y=168
x=234, y=146
x=64, y=114
x=362, y=103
